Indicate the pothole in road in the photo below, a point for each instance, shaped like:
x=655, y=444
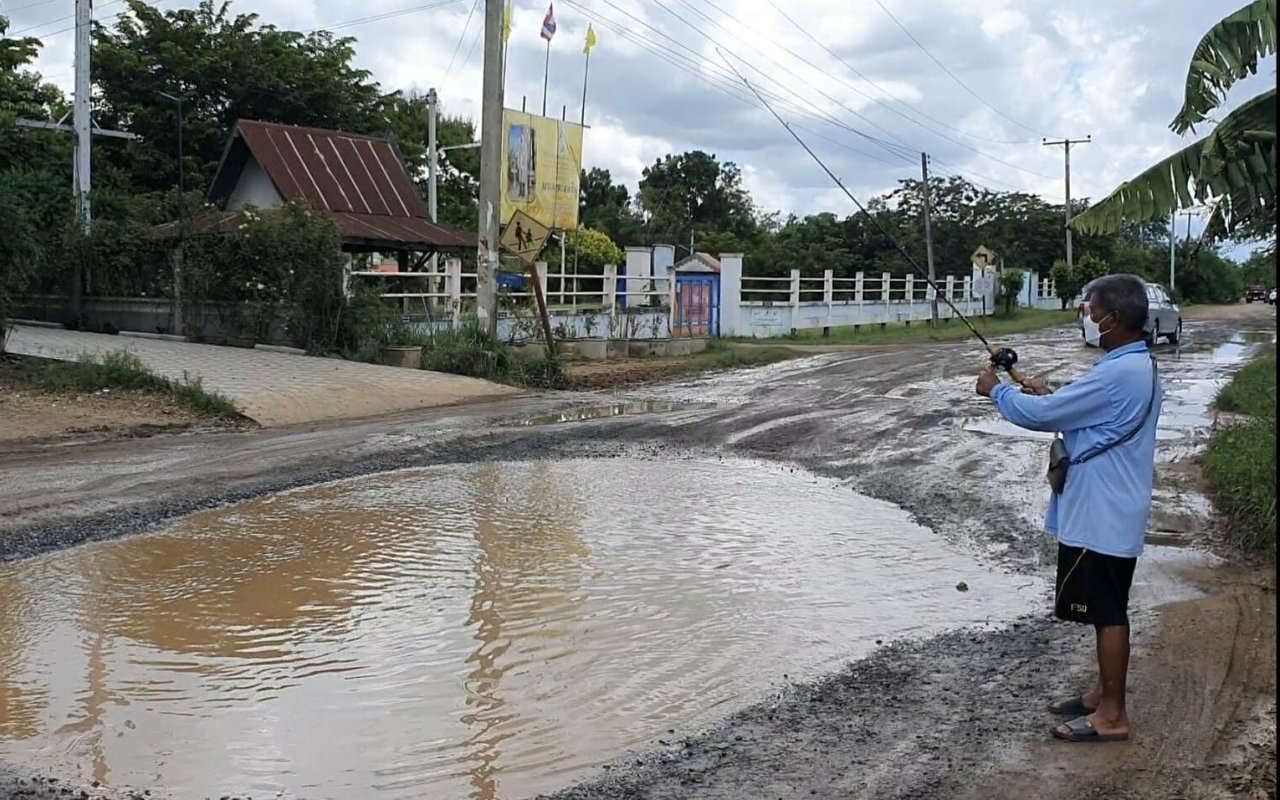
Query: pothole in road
x=490, y=630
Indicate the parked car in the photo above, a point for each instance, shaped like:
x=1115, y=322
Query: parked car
x=1164, y=317
x=1258, y=293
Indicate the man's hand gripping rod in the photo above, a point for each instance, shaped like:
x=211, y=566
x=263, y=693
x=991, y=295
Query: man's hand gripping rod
x=1001, y=358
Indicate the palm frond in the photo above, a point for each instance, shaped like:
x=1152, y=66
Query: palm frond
x=1235, y=166
x=1229, y=52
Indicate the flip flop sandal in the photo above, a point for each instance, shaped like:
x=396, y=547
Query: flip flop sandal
x=1081, y=730
x=1071, y=707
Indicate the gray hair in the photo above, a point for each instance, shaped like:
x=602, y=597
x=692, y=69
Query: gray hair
x=1122, y=295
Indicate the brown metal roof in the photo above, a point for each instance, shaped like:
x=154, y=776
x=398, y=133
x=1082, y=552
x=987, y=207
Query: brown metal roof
x=359, y=180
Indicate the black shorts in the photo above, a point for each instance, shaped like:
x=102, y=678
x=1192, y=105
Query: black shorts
x=1092, y=588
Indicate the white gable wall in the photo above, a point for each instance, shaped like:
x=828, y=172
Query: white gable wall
x=253, y=189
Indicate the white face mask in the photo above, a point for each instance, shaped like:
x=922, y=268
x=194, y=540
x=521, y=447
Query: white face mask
x=1092, y=332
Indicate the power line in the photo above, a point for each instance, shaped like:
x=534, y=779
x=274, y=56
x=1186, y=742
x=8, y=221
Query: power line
x=30, y=5
x=886, y=92
x=893, y=149
x=954, y=77
x=57, y=20
x=461, y=36
x=910, y=148
x=734, y=89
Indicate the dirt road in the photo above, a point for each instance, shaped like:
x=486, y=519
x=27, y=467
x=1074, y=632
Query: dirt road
x=953, y=716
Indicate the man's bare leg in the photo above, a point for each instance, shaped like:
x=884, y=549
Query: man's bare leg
x=1113, y=669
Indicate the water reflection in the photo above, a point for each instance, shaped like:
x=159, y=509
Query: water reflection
x=482, y=631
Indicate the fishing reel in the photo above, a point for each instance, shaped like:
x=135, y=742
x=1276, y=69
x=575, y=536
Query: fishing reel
x=1005, y=358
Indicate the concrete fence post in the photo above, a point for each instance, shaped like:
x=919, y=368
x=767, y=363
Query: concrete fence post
x=453, y=285
x=828, y=293
x=909, y=292
x=795, y=289
x=610, y=288
x=951, y=293
x=542, y=279
x=857, y=287
x=886, y=286
x=731, y=294
x=672, y=299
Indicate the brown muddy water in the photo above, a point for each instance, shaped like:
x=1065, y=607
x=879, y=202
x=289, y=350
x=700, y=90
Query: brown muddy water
x=468, y=631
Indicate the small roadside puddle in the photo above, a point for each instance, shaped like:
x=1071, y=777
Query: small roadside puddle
x=468, y=631
x=583, y=413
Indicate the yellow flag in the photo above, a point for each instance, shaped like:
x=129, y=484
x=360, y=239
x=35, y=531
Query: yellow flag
x=591, y=40
x=507, y=13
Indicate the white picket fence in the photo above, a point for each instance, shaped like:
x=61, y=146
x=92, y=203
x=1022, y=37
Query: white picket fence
x=639, y=303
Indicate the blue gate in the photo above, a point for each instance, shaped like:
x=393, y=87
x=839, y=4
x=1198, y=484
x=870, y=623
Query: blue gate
x=697, y=311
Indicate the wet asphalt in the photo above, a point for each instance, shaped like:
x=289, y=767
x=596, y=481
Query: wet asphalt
x=915, y=719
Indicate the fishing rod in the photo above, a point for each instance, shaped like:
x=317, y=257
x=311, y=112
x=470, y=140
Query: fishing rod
x=1001, y=357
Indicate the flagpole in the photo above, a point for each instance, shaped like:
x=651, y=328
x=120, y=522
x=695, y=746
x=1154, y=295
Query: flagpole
x=546, y=70
x=586, y=73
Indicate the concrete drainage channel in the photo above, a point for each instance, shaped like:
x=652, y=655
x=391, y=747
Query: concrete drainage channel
x=476, y=630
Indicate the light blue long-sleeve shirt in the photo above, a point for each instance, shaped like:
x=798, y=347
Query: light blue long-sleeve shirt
x=1106, y=503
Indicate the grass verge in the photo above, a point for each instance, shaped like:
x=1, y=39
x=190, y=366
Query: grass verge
x=1021, y=321
x=1240, y=462
x=472, y=352
x=121, y=370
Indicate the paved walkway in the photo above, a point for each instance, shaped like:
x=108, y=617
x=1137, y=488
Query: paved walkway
x=270, y=388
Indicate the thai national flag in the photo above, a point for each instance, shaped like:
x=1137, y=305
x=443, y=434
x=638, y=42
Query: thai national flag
x=549, y=23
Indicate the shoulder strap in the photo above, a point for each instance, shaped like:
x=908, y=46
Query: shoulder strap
x=1102, y=448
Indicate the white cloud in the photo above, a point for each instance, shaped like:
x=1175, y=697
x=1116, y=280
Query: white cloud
x=1110, y=69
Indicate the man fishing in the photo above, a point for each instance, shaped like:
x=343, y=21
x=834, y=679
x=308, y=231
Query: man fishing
x=1099, y=510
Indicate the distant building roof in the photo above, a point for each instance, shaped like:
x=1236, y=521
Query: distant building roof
x=699, y=262
x=358, y=180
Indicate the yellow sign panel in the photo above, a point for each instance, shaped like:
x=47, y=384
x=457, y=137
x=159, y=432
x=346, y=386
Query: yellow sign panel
x=524, y=236
x=542, y=160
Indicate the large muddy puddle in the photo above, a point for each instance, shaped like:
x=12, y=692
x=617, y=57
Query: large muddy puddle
x=469, y=631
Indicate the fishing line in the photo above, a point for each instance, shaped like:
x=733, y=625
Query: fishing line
x=1002, y=357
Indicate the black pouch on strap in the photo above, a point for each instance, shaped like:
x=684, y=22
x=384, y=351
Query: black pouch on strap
x=1059, y=463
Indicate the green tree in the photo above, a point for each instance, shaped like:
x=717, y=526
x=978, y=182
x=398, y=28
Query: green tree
x=1260, y=269
x=692, y=193
x=1066, y=282
x=1234, y=167
x=1010, y=285
x=458, y=185
x=225, y=67
x=1205, y=276
x=607, y=207
x=589, y=250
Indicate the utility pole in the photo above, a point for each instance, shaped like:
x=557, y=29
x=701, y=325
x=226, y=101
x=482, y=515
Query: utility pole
x=1066, y=153
x=490, y=166
x=82, y=121
x=1188, y=215
x=433, y=155
x=1173, y=247
x=928, y=233
x=178, y=102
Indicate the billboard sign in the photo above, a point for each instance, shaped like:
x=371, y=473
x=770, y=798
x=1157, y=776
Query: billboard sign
x=542, y=163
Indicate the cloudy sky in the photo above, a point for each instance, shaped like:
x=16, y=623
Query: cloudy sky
x=870, y=83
